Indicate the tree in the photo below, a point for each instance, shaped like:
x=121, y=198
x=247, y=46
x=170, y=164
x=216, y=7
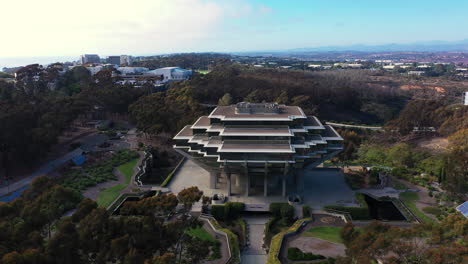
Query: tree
x=225, y=100
x=63, y=246
x=456, y=163
x=189, y=196
x=401, y=155
x=167, y=258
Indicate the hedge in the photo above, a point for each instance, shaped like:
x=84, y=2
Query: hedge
x=171, y=174
x=357, y=213
x=277, y=240
x=296, y=254
x=228, y=211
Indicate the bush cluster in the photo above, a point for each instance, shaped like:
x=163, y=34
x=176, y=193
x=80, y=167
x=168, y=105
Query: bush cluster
x=296, y=254
x=357, y=213
x=306, y=212
x=227, y=212
x=283, y=211
x=102, y=171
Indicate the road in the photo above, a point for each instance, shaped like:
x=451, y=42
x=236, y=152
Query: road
x=376, y=128
x=89, y=143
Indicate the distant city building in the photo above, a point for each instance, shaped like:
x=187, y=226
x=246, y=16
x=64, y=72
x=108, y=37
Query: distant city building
x=132, y=70
x=115, y=60
x=171, y=73
x=263, y=146
x=417, y=73
x=89, y=58
x=465, y=98
x=125, y=60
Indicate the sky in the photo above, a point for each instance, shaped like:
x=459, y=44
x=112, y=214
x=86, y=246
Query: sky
x=148, y=27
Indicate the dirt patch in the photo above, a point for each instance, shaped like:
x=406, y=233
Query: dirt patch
x=318, y=246
x=433, y=145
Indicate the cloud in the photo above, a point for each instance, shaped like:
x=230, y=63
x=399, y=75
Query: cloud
x=106, y=26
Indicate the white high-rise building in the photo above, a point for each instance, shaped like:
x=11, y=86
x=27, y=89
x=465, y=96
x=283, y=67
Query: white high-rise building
x=125, y=60
x=465, y=98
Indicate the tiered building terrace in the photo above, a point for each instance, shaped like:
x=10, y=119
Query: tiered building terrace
x=262, y=145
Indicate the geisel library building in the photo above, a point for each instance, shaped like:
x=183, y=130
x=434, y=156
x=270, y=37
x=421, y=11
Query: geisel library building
x=258, y=148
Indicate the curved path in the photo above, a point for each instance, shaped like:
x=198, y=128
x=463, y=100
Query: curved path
x=354, y=126
x=93, y=192
x=224, y=245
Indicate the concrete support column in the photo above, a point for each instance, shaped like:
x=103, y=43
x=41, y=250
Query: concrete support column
x=237, y=180
x=284, y=178
x=284, y=185
x=247, y=184
x=228, y=175
x=265, y=180
x=213, y=179
x=247, y=179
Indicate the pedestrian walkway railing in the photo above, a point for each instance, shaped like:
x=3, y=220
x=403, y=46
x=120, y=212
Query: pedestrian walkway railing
x=231, y=238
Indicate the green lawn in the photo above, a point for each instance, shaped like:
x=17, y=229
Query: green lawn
x=203, y=71
x=127, y=169
x=107, y=196
x=410, y=198
x=328, y=233
x=201, y=233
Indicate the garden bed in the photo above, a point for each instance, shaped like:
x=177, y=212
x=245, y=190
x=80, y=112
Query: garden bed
x=98, y=169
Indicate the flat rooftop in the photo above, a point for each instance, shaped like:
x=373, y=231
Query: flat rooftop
x=283, y=113
x=202, y=122
x=185, y=133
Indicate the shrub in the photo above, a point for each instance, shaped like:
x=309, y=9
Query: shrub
x=232, y=210
x=433, y=210
x=297, y=254
x=275, y=209
x=357, y=213
x=306, y=211
x=218, y=211
x=287, y=213
x=228, y=211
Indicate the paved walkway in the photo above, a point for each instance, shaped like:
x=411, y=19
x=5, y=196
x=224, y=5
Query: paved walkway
x=254, y=253
x=190, y=174
x=326, y=187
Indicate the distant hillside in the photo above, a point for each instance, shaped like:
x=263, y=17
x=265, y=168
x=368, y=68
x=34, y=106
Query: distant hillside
x=428, y=46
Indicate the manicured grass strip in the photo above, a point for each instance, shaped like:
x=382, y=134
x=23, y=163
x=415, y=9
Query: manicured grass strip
x=410, y=198
x=328, y=233
x=107, y=196
x=201, y=233
x=127, y=169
